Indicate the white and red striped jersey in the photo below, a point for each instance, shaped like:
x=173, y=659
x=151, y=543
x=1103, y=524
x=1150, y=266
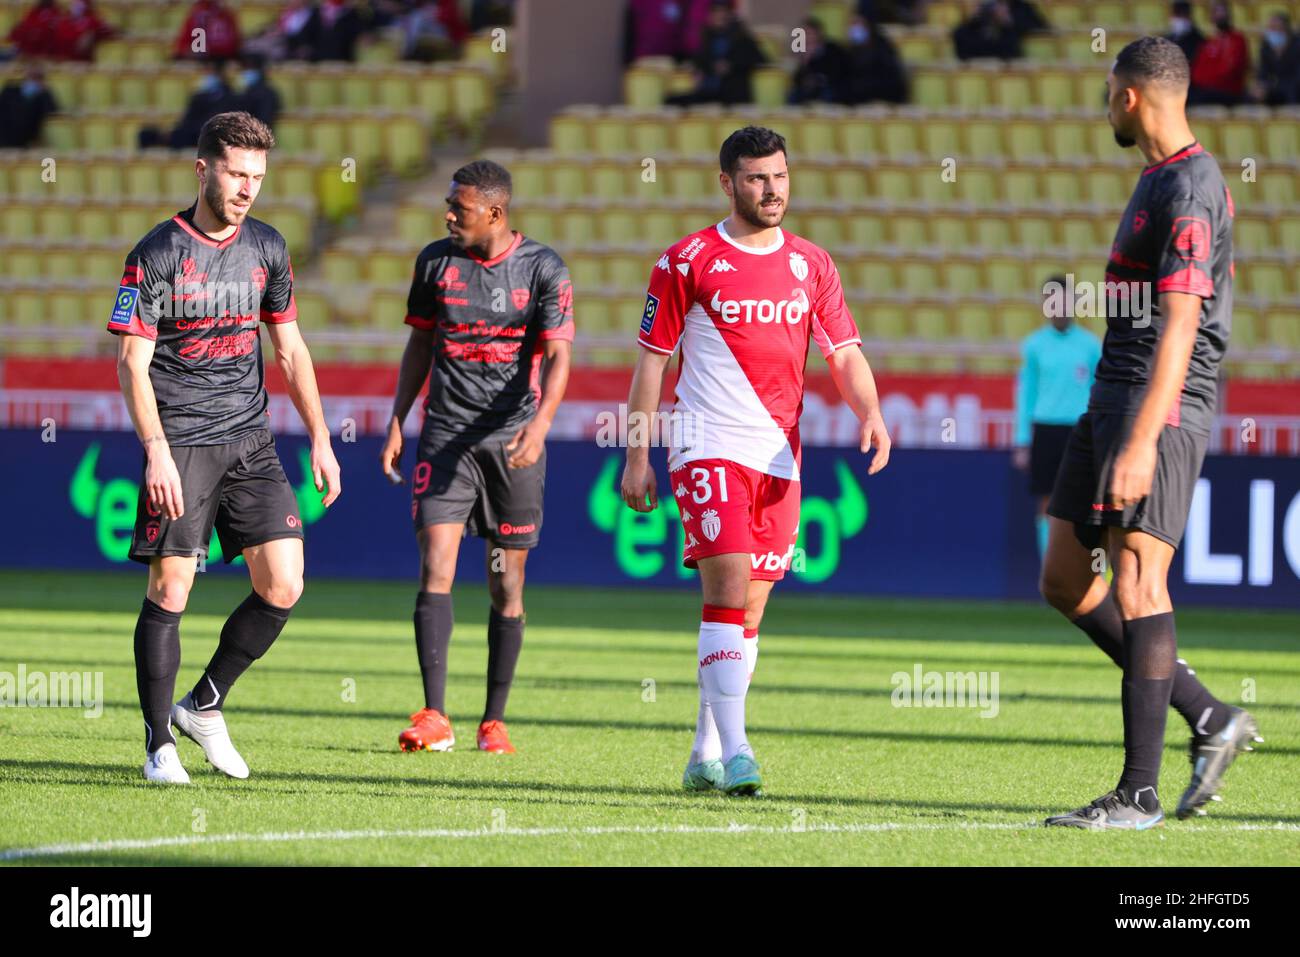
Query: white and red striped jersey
x=743, y=317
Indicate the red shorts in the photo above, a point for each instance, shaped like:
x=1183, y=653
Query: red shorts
x=727, y=507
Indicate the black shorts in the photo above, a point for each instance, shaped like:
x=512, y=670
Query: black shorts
x=239, y=487
x=1082, y=492
x=1045, y=453
x=468, y=482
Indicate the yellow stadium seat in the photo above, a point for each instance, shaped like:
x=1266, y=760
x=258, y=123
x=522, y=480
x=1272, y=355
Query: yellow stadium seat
x=908, y=230
x=586, y=269
x=390, y=267
x=1239, y=139
x=433, y=95
x=415, y=224
x=814, y=136
x=919, y=275
x=644, y=88
x=940, y=138
x=1246, y=326
x=471, y=94
x=916, y=47
x=866, y=229
x=984, y=137
x=1277, y=184
x=950, y=230
x=1040, y=48
x=694, y=134
x=1284, y=328
x=1013, y=90
x=1288, y=231
x=1064, y=184
x=894, y=183
x=930, y=321
x=1018, y=318
x=1263, y=278
x=972, y=320
x=1021, y=184
x=393, y=91
x=1055, y=88
x=328, y=136
x=881, y=320
x=1004, y=273
x=1026, y=139
x=688, y=181
x=1253, y=233
x=650, y=137
x=898, y=137
x=1282, y=140
x=576, y=226
x=992, y=230
x=930, y=87
x=569, y=133
x=406, y=143
x=103, y=265
x=609, y=135
x=321, y=89
x=608, y=181
x=658, y=227
x=963, y=277
x=538, y=223
x=977, y=184
x=849, y=184
x=628, y=270
x=1077, y=232
x=69, y=178
x=970, y=89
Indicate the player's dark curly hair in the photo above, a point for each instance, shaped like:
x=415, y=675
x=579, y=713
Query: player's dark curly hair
x=238, y=129
x=1153, y=60
x=489, y=178
x=752, y=142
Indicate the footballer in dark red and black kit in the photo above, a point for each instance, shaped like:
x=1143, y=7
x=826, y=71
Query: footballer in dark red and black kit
x=189, y=311
x=1131, y=464
x=491, y=316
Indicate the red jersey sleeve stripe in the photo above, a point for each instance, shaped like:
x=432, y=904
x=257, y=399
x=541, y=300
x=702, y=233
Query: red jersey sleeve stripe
x=132, y=276
x=421, y=322
x=855, y=341
x=290, y=314
x=1190, y=280
x=135, y=328
x=564, y=333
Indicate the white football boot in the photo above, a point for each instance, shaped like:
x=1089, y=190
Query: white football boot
x=207, y=729
x=164, y=767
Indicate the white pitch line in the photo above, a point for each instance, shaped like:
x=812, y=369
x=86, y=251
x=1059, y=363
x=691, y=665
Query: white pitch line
x=278, y=837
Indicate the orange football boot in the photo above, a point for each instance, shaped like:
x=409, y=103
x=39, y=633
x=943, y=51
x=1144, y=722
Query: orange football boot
x=492, y=736
x=430, y=730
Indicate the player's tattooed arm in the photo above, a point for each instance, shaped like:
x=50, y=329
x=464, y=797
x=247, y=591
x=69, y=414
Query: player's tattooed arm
x=857, y=386
x=1135, y=467
x=525, y=448
x=638, y=486
x=295, y=363
x=162, y=480
x=417, y=360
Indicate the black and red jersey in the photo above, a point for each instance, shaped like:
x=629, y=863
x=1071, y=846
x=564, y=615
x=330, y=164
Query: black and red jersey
x=202, y=302
x=488, y=315
x=1175, y=236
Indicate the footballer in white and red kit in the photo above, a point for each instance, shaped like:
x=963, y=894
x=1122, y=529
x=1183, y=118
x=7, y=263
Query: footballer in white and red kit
x=742, y=300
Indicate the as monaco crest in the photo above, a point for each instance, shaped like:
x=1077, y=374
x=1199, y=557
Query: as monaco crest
x=799, y=266
x=710, y=524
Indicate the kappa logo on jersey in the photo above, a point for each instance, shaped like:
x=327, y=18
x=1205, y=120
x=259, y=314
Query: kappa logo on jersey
x=686, y=516
x=520, y=297
x=762, y=310
x=692, y=541
x=710, y=524
x=663, y=263
x=124, y=307
x=680, y=490
x=651, y=310
x=721, y=265
x=799, y=266
x=1193, y=240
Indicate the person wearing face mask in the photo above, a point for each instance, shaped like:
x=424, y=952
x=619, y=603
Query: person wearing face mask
x=1222, y=64
x=24, y=105
x=1279, y=63
x=256, y=94
x=875, y=71
x=821, y=74
x=77, y=32
x=212, y=96
x=1183, y=30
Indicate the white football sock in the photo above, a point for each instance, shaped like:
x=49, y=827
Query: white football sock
x=751, y=652
x=724, y=677
x=708, y=746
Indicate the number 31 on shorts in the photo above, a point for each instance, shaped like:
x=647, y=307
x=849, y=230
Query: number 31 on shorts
x=703, y=490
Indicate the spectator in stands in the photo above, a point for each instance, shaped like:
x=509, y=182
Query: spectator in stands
x=291, y=37
x=823, y=68
x=991, y=32
x=1222, y=64
x=490, y=13
x=339, y=26
x=78, y=31
x=220, y=36
x=1027, y=17
x=23, y=108
x=432, y=31
x=213, y=96
x=1183, y=30
x=256, y=95
x=697, y=22
x=654, y=28
x=875, y=70
x=892, y=11
x=34, y=35
x=727, y=57
x=1279, y=63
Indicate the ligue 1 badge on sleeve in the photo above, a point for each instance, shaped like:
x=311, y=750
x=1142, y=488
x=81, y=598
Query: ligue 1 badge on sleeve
x=124, y=306
x=651, y=310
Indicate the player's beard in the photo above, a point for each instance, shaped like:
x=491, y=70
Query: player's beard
x=217, y=203
x=1123, y=140
x=754, y=214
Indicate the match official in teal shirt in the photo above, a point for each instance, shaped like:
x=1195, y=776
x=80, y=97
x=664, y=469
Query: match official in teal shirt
x=1058, y=363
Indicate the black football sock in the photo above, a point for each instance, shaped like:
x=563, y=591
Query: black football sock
x=1204, y=713
x=433, y=624
x=505, y=639
x=247, y=634
x=1150, y=659
x=157, y=660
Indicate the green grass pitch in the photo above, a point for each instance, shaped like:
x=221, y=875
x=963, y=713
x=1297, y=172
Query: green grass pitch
x=602, y=714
